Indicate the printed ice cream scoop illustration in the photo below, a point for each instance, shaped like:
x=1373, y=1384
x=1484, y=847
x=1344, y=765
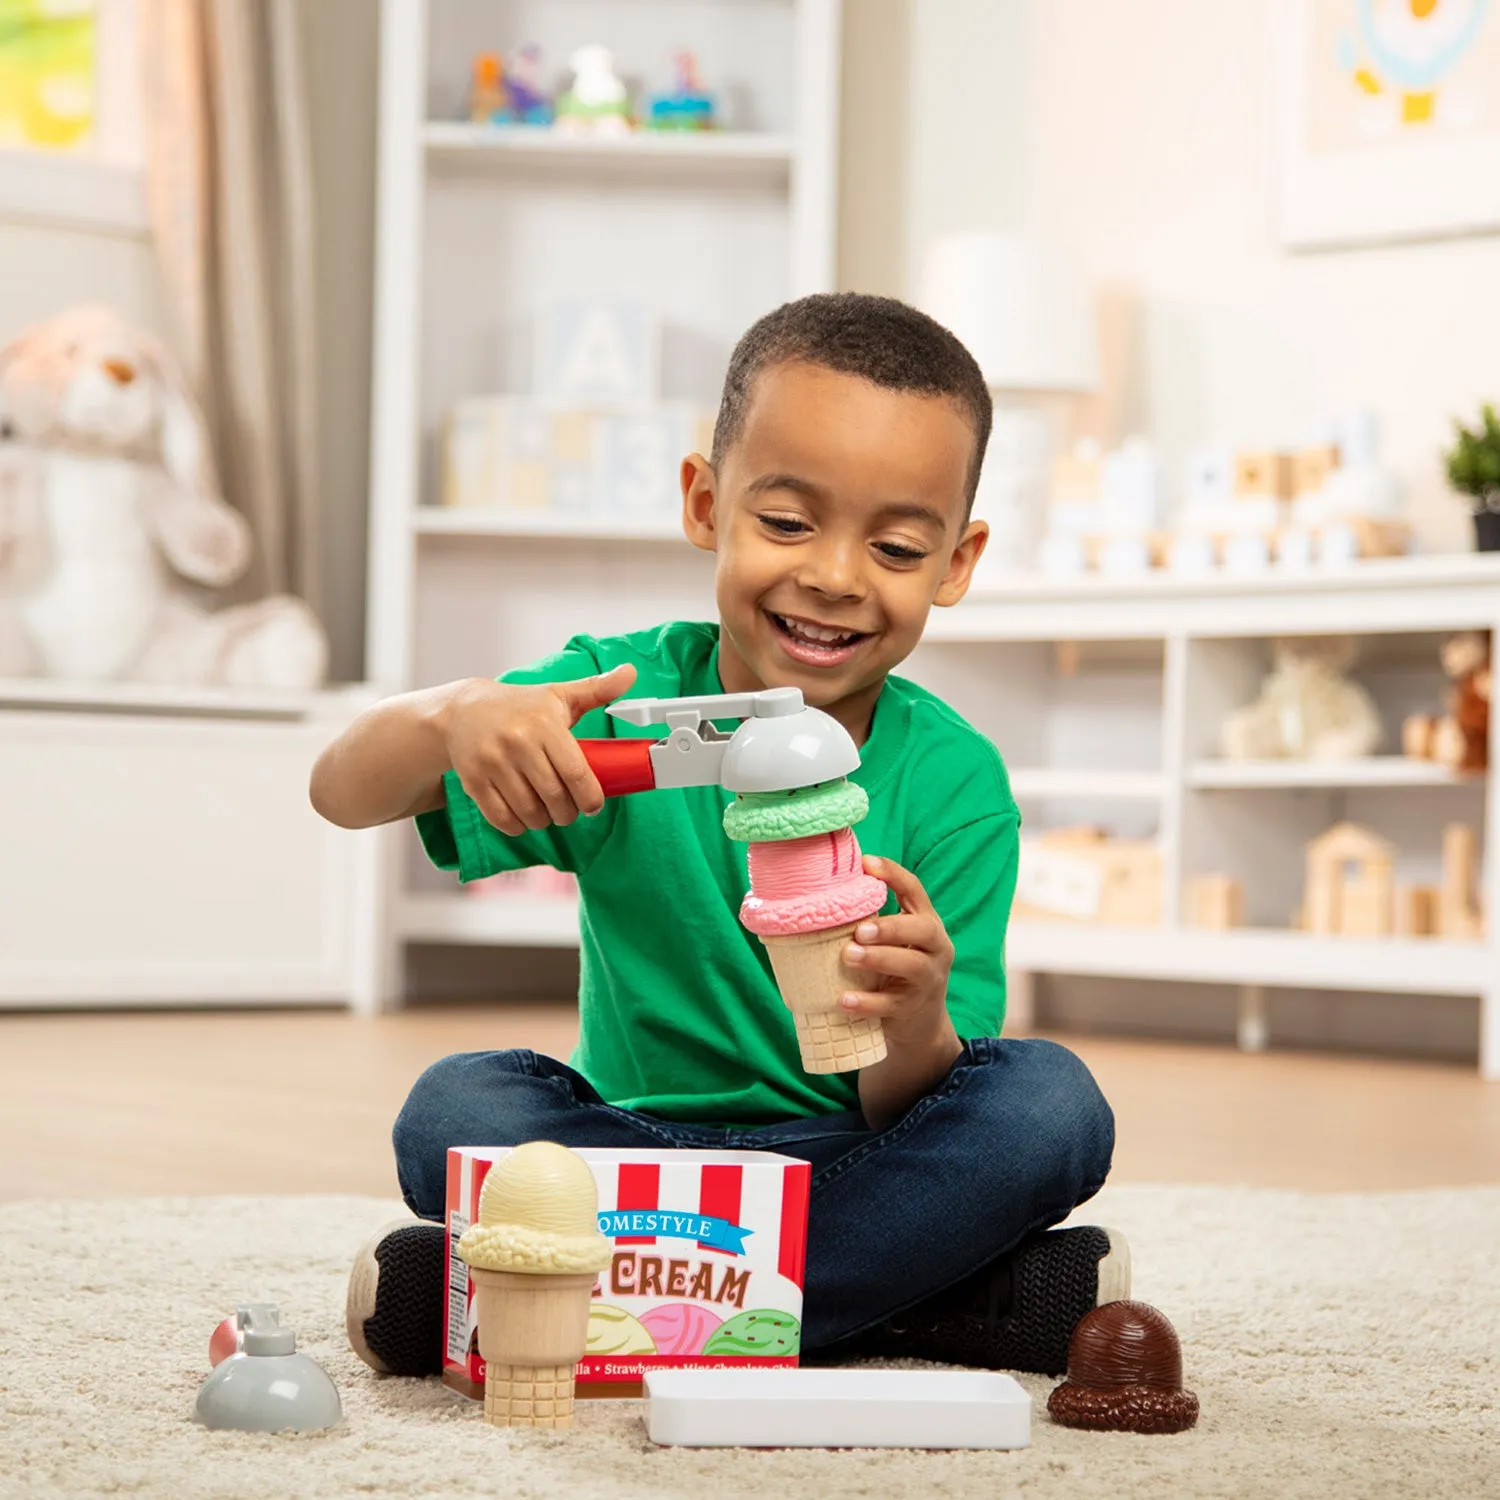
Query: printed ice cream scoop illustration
x=680, y=1327
x=764, y=1332
x=808, y=892
x=612, y=1330
x=534, y=1256
x=1406, y=52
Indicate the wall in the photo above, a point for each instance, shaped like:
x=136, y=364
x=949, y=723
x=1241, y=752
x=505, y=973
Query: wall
x=1136, y=135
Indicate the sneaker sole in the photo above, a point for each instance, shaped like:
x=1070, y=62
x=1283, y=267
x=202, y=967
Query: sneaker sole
x=1114, y=1270
x=376, y=1332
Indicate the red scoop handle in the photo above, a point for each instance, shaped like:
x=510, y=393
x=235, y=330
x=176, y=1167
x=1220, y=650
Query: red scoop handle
x=622, y=766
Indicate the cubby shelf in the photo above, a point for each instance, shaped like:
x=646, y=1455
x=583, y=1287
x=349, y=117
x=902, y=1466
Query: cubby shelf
x=1375, y=771
x=435, y=520
x=510, y=920
x=1046, y=783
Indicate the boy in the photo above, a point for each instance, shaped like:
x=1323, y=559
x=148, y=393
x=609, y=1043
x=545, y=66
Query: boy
x=837, y=503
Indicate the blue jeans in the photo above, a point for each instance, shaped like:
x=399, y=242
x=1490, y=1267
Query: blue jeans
x=1009, y=1142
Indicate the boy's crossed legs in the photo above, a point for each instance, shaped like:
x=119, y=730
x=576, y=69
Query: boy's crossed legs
x=922, y=1238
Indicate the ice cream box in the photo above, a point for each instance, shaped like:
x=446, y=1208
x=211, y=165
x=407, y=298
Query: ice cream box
x=709, y=1249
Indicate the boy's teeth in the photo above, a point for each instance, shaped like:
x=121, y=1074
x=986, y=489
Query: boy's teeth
x=816, y=633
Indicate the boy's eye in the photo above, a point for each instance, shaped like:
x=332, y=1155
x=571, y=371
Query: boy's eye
x=786, y=525
x=899, y=553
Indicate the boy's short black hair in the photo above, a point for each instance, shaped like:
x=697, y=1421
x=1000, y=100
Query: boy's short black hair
x=879, y=339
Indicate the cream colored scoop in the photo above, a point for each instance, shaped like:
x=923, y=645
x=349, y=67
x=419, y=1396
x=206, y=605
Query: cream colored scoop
x=538, y=1212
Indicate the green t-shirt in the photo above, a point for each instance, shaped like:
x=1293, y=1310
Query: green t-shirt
x=680, y=1013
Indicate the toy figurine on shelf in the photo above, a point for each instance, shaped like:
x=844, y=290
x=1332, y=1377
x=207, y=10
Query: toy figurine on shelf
x=1308, y=708
x=1460, y=738
x=685, y=106
x=489, y=99
x=596, y=104
x=530, y=103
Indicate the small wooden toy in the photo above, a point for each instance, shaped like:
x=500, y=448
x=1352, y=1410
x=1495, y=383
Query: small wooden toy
x=1083, y=875
x=1460, y=738
x=1350, y=887
x=1216, y=902
x=1263, y=474
x=534, y=1255
x=596, y=103
x=685, y=106
x=1458, y=909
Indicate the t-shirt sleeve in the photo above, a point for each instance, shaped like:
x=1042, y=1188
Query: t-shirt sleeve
x=970, y=878
x=457, y=836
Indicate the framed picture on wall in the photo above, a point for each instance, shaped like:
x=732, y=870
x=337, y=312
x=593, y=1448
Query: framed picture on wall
x=1388, y=117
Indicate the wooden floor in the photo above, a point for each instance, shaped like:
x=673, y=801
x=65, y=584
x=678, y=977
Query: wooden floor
x=290, y=1102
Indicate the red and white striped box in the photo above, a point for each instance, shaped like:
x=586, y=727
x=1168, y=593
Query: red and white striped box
x=709, y=1250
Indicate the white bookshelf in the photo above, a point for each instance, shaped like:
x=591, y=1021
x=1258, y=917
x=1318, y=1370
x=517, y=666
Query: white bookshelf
x=477, y=227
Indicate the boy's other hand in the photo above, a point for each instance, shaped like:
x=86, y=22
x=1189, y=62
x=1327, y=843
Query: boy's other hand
x=512, y=747
x=907, y=956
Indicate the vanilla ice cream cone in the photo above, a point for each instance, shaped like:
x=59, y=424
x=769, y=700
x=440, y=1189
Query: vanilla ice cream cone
x=532, y=1332
x=811, y=974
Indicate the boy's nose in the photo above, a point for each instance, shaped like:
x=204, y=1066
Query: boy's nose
x=834, y=572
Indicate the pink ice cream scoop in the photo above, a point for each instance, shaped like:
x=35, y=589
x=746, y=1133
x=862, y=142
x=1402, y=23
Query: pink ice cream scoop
x=680, y=1327
x=808, y=884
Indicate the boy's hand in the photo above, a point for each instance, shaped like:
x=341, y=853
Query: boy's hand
x=907, y=957
x=515, y=756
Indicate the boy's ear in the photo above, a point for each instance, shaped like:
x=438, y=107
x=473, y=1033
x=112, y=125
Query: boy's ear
x=960, y=572
x=699, y=486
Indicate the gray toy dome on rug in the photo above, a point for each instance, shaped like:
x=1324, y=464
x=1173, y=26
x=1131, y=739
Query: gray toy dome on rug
x=268, y=1386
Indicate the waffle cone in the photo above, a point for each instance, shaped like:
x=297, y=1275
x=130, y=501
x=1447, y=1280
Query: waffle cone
x=533, y=1329
x=811, y=975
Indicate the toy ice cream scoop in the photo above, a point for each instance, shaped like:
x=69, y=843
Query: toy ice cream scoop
x=534, y=1255
x=268, y=1386
x=1124, y=1374
x=788, y=766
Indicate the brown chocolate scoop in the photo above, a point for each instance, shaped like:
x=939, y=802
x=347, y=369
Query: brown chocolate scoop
x=1124, y=1374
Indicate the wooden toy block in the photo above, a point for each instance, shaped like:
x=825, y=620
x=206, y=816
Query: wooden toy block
x=1216, y=902
x=1458, y=903
x=1417, y=911
x=1350, y=880
x=1075, y=479
x=1264, y=474
x=1311, y=468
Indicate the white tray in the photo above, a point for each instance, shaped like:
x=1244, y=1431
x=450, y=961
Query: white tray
x=740, y=1408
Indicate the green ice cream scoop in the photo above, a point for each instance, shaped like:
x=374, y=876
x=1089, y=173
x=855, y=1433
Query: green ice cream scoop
x=760, y=817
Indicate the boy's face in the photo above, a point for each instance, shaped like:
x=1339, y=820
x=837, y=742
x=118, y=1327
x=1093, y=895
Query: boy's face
x=838, y=513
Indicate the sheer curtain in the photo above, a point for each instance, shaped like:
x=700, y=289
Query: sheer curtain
x=229, y=182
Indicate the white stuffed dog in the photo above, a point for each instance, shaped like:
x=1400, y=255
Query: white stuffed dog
x=108, y=521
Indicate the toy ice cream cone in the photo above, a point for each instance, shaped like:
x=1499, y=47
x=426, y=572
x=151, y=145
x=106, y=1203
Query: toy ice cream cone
x=534, y=1256
x=811, y=975
x=532, y=1333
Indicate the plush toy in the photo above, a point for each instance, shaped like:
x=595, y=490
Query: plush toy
x=1308, y=709
x=110, y=528
x=1461, y=737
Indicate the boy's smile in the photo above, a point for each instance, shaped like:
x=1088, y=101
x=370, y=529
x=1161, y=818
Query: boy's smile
x=838, y=520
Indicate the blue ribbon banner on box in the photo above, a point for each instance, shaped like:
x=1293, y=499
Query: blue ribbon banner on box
x=661, y=1223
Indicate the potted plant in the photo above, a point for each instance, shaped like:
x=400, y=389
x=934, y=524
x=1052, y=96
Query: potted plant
x=1474, y=470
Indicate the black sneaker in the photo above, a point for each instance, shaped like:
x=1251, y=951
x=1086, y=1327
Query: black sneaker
x=1018, y=1313
x=394, y=1309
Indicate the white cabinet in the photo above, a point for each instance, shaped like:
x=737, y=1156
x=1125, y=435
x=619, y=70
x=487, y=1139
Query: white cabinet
x=160, y=849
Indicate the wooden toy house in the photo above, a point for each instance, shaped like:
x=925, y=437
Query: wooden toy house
x=1351, y=883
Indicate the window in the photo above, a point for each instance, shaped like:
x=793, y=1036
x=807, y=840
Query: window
x=70, y=124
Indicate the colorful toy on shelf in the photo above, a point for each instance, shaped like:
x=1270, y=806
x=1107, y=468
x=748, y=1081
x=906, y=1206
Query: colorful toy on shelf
x=1460, y=739
x=266, y=1386
x=1350, y=889
x=1214, y=902
x=685, y=106
x=534, y=1255
x=1124, y=1374
x=1084, y=875
x=1307, y=708
x=514, y=97
x=789, y=766
x=1105, y=511
x=596, y=103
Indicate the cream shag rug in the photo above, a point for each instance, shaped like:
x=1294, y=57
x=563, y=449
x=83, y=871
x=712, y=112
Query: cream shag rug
x=1340, y=1345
